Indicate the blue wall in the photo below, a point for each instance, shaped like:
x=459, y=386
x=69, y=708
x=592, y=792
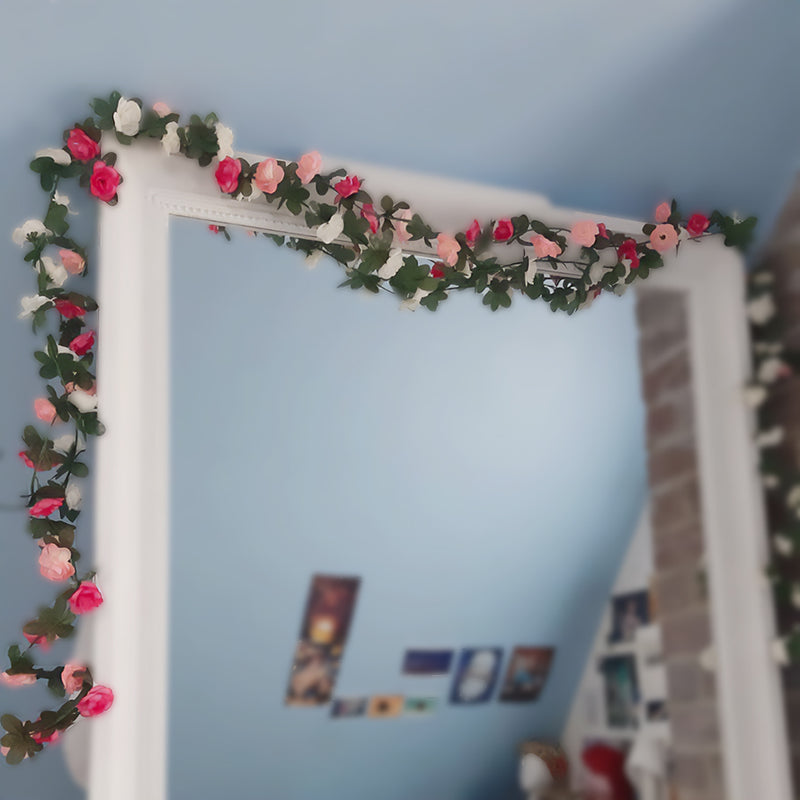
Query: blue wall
x=608, y=106
x=481, y=472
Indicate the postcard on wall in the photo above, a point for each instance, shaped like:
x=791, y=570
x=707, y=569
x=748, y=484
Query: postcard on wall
x=323, y=634
x=427, y=662
x=420, y=706
x=621, y=691
x=526, y=674
x=476, y=675
x=629, y=612
x=349, y=706
x=386, y=705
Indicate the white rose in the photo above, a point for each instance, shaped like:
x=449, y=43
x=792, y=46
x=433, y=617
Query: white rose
x=770, y=481
x=755, y=395
x=783, y=545
x=596, y=273
x=467, y=270
x=530, y=273
x=224, y=140
x=793, y=498
x=59, y=156
x=330, y=230
x=771, y=437
x=127, y=117
x=67, y=351
x=170, y=141
x=61, y=199
x=64, y=443
x=31, y=304
x=761, y=310
x=769, y=370
x=412, y=304
x=20, y=235
x=779, y=652
x=55, y=271
x=72, y=496
x=83, y=401
x=392, y=265
x=708, y=659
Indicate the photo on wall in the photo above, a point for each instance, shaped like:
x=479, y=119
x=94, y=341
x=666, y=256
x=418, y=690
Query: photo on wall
x=526, y=674
x=629, y=612
x=323, y=635
x=420, y=706
x=349, y=707
x=427, y=662
x=382, y=706
x=621, y=691
x=476, y=675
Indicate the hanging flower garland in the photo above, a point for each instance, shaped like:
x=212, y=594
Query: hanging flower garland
x=344, y=224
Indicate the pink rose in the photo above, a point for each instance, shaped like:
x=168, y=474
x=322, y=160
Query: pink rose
x=97, y=700
x=26, y=459
x=627, y=251
x=437, y=271
x=447, y=248
x=227, y=174
x=73, y=262
x=45, y=410
x=544, y=247
x=162, y=109
x=55, y=563
x=82, y=343
x=23, y=679
x=82, y=146
x=697, y=224
x=503, y=231
x=368, y=213
x=41, y=738
x=402, y=218
x=601, y=230
x=70, y=387
x=584, y=233
x=663, y=213
x=45, y=507
x=39, y=641
x=663, y=238
x=473, y=232
x=348, y=186
x=269, y=173
x=85, y=598
x=72, y=683
x=68, y=310
x=104, y=181
x=308, y=166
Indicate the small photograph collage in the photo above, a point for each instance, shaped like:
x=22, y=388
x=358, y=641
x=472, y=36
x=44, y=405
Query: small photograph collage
x=475, y=670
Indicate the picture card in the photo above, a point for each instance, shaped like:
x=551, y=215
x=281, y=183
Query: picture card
x=386, y=705
x=526, y=674
x=349, y=706
x=621, y=691
x=476, y=675
x=427, y=662
x=420, y=706
x=629, y=612
x=323, y=634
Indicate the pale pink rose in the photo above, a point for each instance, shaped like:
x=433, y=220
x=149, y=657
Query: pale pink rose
x=403, y=217
x=23, y=679
x=584, y=233
x=73, y=262
x=70, y=387
x=544, y=247
x=269, y=173
x=662, y=213
x=162, y=109
x=663, y=238
x=308, y=166
x=447, y=249
x=45, y=410
x=97, y=700
x=72, y=683
x=55, y=562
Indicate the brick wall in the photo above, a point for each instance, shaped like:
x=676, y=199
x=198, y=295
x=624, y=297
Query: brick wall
x=782, y=258
x=679, y=582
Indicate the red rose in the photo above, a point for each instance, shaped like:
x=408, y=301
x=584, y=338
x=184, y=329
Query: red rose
x=437, y=271
x=69, y=310
x=85, y=598
x=348, y=186
x=104, y=181
x=368, y=212
x=214, y=228
x=41, y=738
x=601, y=230
x=697, y=224
x=82, y=343
x=24, y=456
x=628, y=250
x=44, y=508
x=98, y=699
x=503, y=231
x=473, y=232
x=228, y=173
x=82, y=146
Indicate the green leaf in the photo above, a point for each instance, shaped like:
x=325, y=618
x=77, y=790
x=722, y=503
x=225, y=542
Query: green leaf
x=56, y=218
x=417, y=228
x=11, y=724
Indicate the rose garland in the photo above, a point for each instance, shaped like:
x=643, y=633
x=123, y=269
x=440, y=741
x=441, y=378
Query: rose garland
x=345, y=225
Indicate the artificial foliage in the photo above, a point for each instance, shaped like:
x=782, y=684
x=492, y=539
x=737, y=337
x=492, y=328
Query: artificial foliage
x=364, y=236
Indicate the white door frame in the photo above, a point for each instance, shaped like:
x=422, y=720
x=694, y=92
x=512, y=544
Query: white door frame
x=128, y=750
